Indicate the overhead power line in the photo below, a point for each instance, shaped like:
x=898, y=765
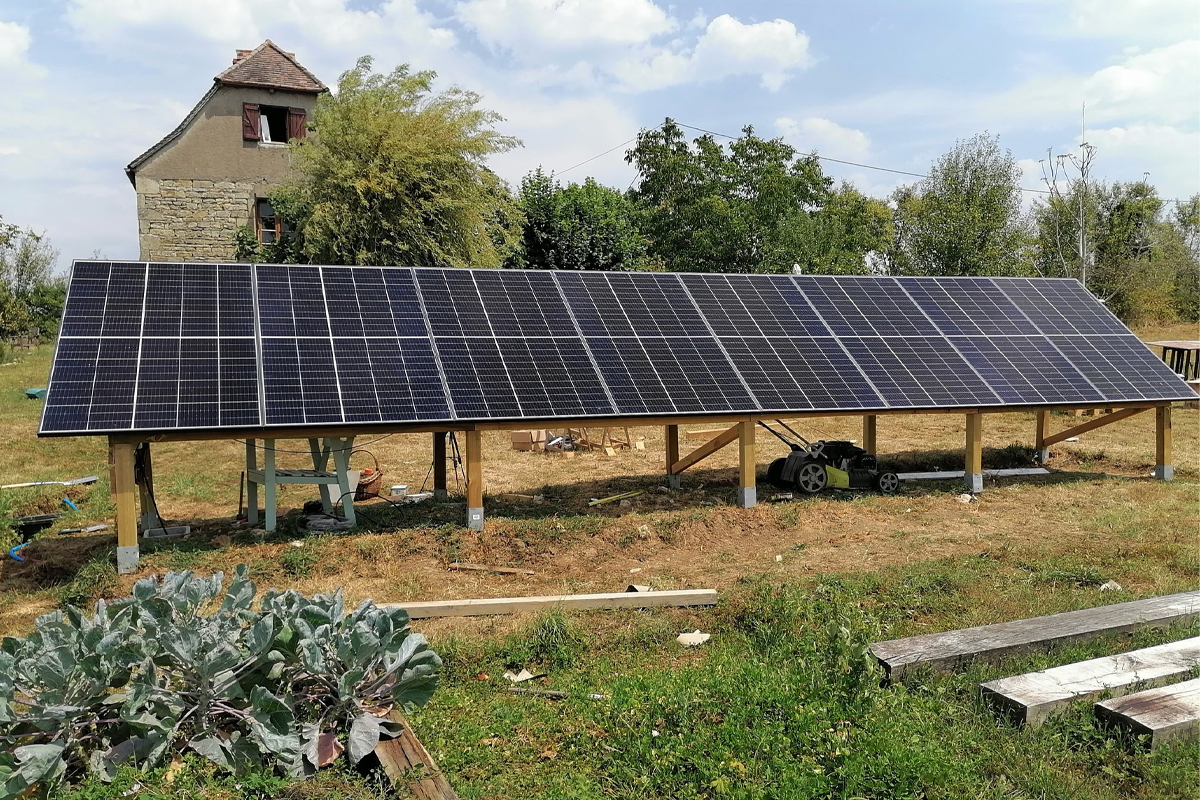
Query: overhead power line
x=728, y=136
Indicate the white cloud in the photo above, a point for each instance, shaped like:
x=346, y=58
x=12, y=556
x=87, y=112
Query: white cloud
x=1169, y=154
x=218, y=20
x=14, y=50
x=773, y=50
x=556, y=24
x=1159, y=20
x=825, y=137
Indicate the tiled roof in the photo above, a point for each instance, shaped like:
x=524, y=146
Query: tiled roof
x=265, y=67
x=269, y=67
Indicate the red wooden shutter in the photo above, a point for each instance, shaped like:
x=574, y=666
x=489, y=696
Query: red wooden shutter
x=296, y=123
x=251, y=122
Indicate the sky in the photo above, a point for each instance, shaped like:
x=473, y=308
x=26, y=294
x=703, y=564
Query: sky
x=87, y=85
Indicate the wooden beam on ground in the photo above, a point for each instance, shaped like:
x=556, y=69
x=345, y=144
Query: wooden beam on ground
x=870, y=433
x=510, y=605
x=120, y=462
x=973, y=473
x=705, y=450
x=1043, y=430
x=409, y=766
x=1031, y=698
x=950, y=649
x=1167, y=714
x=1164, y=468
x=474, y=459
x=747, y=466
x=1091, y=425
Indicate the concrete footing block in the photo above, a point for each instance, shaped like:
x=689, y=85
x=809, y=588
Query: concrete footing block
x=127, y=559
x=475, y=519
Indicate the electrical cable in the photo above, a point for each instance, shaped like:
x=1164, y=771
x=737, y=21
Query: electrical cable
x=309, y=452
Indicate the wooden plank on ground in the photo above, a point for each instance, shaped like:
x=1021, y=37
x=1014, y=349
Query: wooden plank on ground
x=949, y=649
x=409, y=765
x=1167, y=713
x=958, y=473
x=509, y=605
x=1031, y=698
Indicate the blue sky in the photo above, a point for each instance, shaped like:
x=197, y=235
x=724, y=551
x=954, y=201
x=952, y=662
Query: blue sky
x=88, y=84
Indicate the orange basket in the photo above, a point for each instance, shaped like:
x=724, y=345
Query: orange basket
x=370, y=481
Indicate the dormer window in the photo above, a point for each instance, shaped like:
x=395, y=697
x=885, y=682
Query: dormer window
x=272, y=124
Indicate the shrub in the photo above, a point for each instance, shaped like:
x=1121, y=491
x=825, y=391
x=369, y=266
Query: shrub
x=182, y=665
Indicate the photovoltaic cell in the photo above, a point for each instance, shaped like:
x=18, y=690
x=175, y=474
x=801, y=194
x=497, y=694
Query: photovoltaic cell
x=800, y=373
x=1121, y=367
x=912, y=372
x=476, y=378
x=745, y=305
x=696, y=374
x=631, y=378
x=967, y=306
x=1060, y=306
x=1026, y=369
x=595, y=305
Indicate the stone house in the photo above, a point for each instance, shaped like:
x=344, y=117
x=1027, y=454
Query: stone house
x=212, y=174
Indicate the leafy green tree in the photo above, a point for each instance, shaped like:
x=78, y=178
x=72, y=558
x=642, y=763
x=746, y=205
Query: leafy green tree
x=580, y=226
x=708, y=208
x=1185, y=222
x=965, y=218
x=395, y=175
x=31, y=297
x=848, y=235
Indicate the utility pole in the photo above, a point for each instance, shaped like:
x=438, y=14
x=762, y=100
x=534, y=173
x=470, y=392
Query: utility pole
x=1083, y=170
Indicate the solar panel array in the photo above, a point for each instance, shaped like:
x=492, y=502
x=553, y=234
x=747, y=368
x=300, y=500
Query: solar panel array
x=157, y=347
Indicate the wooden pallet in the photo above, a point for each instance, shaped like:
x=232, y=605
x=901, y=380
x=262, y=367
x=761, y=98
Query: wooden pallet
x=1031, y=698
x=950, y=649
x=1167, y=714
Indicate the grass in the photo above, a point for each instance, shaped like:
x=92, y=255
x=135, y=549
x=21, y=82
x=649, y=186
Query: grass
x=781, y=702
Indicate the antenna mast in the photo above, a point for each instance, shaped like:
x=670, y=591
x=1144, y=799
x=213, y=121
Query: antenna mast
x=1082, y=219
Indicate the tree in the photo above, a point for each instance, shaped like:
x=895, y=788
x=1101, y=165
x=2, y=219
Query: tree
x=707, y=208
x=1140, y=263
x=847, y=236
x=965, y=218
x=1185, y=222
x=395, y=175
x=580, y=226
x=31, y=297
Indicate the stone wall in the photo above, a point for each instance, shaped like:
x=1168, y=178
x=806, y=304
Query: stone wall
x=193, y=220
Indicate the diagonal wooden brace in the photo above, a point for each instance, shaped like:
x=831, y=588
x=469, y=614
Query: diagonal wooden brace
x=1091, y=425
x=705, y=450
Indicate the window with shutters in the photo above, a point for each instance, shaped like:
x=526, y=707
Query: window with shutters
x=272, y=124
x=270, y=227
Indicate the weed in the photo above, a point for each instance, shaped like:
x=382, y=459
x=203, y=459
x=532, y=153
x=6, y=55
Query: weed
x=788, y=515
x=554, y=640
x=95, y=579
x=298, y=562
x=667, y=529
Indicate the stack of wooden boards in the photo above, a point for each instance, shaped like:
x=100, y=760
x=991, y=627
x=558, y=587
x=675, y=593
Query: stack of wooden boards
x=1169, y=711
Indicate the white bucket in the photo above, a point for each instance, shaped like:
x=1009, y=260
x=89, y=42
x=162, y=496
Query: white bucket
x=400, y=490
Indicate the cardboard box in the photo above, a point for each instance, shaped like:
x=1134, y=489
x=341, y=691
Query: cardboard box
x=534, y=440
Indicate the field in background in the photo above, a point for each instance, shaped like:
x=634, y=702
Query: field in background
x=778, y=692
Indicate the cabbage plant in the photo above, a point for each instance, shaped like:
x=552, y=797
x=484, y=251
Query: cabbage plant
x=184, y=663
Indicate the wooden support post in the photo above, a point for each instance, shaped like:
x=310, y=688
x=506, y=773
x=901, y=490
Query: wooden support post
x=120, y=462
x=474, y=480
x=1092, y=424
x=439, y=465
x=672, y=437
x=870, y=428
x=146, y=490
x=1043, y=430
x=728, y=437
x=251, y=486
x=747, y=492
x=974, y=467
x=269, y=486
x=1164, y=470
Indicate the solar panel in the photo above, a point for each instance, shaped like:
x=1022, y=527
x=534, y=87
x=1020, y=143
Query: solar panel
x=158, y=347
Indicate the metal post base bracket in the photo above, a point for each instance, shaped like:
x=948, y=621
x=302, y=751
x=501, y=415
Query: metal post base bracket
x=1164, y=472
x=475, y=519
x=673, y=481
x=747, y=497
x=127, y=559
x=1043, y=456
x=974, y=482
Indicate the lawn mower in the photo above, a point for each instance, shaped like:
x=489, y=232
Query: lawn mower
x=812, y=467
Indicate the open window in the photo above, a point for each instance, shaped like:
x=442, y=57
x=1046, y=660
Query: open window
x=273, y=124
x=270, y=228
